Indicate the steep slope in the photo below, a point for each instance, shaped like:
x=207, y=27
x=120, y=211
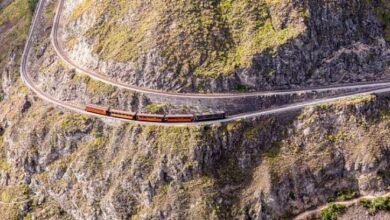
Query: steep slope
x=56, y=164
x=225, y=45
x=268, y=168
x=17, y=201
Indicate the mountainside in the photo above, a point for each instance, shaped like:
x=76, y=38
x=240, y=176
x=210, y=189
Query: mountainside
x=226, y=45
x=57, y=164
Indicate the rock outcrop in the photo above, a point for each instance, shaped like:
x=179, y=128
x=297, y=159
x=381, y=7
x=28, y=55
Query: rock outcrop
x=55, y=164
x=213, y=46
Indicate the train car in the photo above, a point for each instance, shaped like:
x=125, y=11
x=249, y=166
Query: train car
x=210, y=116
x=123, y=114
x=150, y=117
x=101, y=110
x=179, y=118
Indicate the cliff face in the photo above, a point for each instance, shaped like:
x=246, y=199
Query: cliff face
x=55, y=164
x=230, y=45
x=268, y=168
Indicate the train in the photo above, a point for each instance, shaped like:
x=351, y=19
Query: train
x=168, y=118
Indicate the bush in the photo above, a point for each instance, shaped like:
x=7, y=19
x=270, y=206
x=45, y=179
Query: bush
x=155, y=108
x=32, y=4
x=332, y=211
x=374, y=205
x=346, y=195
x=242, y=88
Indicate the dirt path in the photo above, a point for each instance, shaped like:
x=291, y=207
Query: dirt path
x=309, y=213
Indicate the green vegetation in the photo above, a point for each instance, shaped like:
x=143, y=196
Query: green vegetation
x=15, y=20
x=374, y=205
x=99, y=141
x=32, y=4
x=4, y=166
x=338, y=136
x=135, y=217
x=73, y=121
x=332, y=211
x=268, y=73
x=346, y=195
x=273, y=153
x=93, y=86
x=178, y=138
x=383, y=12
x=348, y=101
x=385, y=114
x=324, y=106
x=204, y=38
x=15, y=193
x=155, y=108
x=49, y=10
x=242, y=88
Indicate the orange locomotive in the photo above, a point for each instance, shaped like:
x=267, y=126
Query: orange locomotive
x=154, y=117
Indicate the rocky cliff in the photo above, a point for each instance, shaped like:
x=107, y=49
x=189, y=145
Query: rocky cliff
x=55, y=164
x=226, y=45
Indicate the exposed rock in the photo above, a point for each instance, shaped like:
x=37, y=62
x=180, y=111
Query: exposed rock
x=334, y=42
x=56, y=164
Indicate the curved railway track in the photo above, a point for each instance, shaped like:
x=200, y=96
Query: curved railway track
x=29, y=82
x=58, y=47
x=80, y=109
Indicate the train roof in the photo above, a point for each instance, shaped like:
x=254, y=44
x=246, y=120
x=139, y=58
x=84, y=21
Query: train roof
x=179, y=116
x=212, y=113
x=122, y=112
x=150, y=115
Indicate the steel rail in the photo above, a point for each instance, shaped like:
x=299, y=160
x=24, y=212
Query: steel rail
x=108, y=80
x=28, y=81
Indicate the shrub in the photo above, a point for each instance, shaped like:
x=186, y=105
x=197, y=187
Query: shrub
x=332, y=211
x=346, y=195
x=374, y=205
x=32, y=4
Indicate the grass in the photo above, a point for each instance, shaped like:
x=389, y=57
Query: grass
x=155, y=108
x=11, y=194
x=4, y=166
x=73, y=121
x=385, y=114
x=15, y=11
x=336, y=137
x=16, y=16
x=178, y=138
x=346, y=195
x=206, y=39
x=94, y=86
x=273, y=154
x=332, y=211
x=374, y=205
x=348, y=101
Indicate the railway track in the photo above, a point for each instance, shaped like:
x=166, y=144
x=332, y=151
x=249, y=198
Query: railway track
x=29, y=82
x=81, y=109
x=58, y=47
